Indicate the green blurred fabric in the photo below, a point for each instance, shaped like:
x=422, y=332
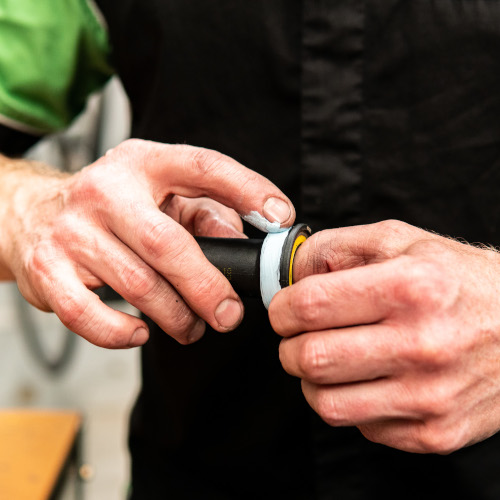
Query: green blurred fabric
x=53, y=54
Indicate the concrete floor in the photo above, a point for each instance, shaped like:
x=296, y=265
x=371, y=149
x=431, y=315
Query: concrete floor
x=102, y=384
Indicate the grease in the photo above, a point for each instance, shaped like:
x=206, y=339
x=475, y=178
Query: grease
x=260, y=222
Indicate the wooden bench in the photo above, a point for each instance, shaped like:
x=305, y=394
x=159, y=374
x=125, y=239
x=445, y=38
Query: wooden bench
x=36, y=448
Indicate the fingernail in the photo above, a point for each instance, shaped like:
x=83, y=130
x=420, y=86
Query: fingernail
x=197, y=332
x=229, y=314
x=276, y=210
x=139, y=337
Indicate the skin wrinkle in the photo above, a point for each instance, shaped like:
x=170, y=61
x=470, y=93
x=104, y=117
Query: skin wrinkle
x=424, y=376
x=109, y=207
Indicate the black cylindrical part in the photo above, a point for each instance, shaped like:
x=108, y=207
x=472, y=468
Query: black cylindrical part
x=237, y=259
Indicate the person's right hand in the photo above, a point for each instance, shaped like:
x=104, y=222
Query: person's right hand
x=64, y=236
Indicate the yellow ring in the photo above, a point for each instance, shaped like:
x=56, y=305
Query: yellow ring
x=296, y=244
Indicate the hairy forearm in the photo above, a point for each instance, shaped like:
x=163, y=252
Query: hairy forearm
x=21, y=183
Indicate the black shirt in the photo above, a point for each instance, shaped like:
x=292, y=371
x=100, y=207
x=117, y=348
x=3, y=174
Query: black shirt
x=359, y=111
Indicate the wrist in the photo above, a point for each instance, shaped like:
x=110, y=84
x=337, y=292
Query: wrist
x=23, y=184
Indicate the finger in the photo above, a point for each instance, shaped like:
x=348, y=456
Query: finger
x=82, y=312
x=360, y=403
x=196, y=172
x=343, y=356
x=140, y=285
x=417, y=436
x=205, y=217
x=362, y=295
x=349, y=247
x=401, y=434
x=169, y=249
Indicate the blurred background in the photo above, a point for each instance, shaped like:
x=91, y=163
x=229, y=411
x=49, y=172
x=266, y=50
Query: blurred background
x=42, y=365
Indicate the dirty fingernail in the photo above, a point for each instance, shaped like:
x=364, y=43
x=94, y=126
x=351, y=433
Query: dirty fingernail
x=139, y=337
x=229, y=314
x=276, y=210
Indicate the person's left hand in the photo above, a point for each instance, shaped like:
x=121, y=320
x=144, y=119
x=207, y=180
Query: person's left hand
x=402, y=335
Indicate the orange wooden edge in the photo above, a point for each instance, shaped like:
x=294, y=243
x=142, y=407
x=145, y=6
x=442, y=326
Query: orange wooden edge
x=34, y=447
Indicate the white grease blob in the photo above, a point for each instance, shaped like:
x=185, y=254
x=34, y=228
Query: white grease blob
x=262, y=223
x=270, y=258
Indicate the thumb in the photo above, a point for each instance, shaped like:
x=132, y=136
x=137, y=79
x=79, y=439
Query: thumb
x=349, y=247
x=197, y=172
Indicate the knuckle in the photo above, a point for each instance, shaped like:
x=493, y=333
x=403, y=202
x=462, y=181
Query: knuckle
x=138, y=282
x=434, y=401
x=180, y=323
x=430, y=349
x=392, y=227
x=209, y=284
x=392, y=231
x=306, y=305
x=438, y=439
x=72, y=311
x=312, y=358
x=157, y=238
x=132, y=143
x=205, y=161
x=423, y=283
x=330, y=409
x=94, y=183
x=127, y=146
x=69, y=233
x=39, y=262
x=113, y=339
x=315, y=254
x=215, y=219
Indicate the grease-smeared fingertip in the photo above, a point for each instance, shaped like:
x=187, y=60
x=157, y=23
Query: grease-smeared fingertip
x=277, y=210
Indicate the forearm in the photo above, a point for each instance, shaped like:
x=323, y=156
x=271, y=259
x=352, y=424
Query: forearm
x=21, y=183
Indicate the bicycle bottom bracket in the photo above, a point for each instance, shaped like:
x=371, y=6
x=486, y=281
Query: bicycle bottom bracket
x=256, y=267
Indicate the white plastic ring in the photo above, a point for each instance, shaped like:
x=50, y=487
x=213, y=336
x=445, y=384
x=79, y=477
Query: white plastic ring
x=270, y=258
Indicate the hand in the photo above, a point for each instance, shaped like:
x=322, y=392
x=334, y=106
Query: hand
x=118, y=222
x=402, y=335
